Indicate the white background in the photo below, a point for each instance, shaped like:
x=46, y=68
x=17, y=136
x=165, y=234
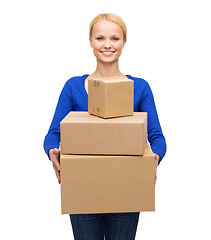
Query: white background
x=43, y=44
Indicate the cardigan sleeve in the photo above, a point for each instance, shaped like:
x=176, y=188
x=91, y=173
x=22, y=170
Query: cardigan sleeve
x=64, y=106
x=155, y=134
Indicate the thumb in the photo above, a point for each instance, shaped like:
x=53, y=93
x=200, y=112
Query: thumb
x=56, y=151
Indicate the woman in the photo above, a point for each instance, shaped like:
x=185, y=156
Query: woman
x=107, y=37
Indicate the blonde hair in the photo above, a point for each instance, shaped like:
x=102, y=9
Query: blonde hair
x=109, y=17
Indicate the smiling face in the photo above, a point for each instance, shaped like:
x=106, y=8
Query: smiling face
x=107, y=41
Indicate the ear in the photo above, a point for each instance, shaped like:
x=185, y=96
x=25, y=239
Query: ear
x=90, y=41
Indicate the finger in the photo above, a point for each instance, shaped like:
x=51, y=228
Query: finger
x=56, y=166
x=56, y=163
x=58, y=177
x=57, y=174
x=57, y=155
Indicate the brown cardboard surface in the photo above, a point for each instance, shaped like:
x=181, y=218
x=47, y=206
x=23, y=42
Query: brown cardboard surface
x=106, y=184
x=110, y=98
x=82, y=133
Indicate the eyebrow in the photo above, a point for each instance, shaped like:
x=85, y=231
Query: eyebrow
x=114, y=35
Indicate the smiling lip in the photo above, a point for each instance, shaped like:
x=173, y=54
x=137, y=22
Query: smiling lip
x=107, y=53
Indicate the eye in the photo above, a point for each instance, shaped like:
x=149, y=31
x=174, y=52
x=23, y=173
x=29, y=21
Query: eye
x=99, y=38
x=115, y=38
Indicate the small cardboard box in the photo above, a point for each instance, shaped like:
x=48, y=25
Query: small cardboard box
x=106, y=184
x=82, y=133
x=110, y=97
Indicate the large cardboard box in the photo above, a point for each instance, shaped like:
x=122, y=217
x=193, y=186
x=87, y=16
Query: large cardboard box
x=82, y=133
x=107, y=184
x=110, y=97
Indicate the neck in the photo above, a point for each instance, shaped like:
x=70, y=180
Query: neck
x=107, y=70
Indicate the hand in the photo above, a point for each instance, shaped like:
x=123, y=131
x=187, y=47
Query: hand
x=157, y=159
x=54, y=155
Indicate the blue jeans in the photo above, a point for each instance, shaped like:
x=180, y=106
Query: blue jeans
x=113, y=226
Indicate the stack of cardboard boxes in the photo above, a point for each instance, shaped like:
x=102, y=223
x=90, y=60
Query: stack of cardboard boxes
x=106, y=163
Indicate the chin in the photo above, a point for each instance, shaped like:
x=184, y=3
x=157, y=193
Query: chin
x=107, y=61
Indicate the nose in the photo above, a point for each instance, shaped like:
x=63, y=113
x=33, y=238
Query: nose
x=107, y=44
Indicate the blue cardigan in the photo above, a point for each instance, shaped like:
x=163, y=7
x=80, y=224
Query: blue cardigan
x=75, y=98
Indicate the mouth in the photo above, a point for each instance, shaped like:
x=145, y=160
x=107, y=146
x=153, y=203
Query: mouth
x=107, y=53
